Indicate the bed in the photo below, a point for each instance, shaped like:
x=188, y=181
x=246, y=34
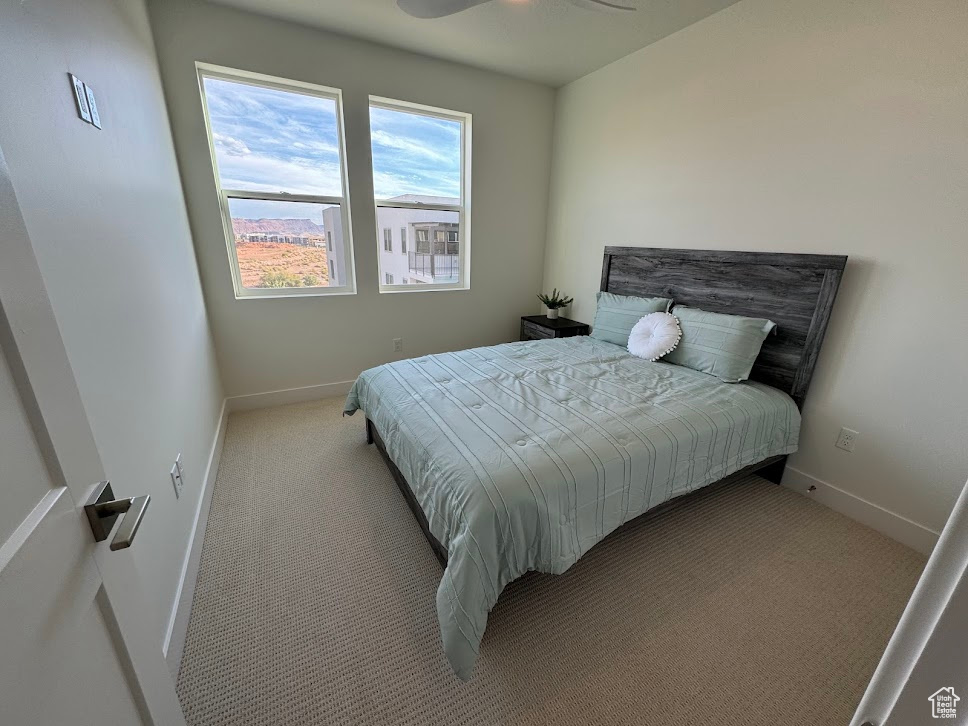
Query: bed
x=523, y=456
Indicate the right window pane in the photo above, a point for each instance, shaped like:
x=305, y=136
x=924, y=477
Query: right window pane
x=414, y=153
x=421, y=185
x=431, y=254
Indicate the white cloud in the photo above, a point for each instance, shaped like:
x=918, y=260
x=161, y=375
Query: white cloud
x=413, y=148
x=318, y=147
x=388, y=184
x=229, y=145
x=256, y=172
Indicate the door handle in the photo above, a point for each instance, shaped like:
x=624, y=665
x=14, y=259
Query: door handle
x=103, y=510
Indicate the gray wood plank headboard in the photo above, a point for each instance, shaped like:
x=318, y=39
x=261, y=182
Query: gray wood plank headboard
x=793, y=290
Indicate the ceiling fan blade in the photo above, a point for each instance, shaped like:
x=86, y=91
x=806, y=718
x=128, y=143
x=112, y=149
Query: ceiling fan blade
x=426, y=9
x=604, y=5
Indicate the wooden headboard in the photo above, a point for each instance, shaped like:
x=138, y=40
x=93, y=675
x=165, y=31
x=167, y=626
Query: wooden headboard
x=795, y=291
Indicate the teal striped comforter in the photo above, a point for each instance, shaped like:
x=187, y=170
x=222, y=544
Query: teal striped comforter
x=525, y=455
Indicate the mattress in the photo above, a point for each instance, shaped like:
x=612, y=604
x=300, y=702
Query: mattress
x=525, y=455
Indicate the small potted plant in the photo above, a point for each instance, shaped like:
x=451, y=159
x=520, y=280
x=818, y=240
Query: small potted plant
x=554, y=302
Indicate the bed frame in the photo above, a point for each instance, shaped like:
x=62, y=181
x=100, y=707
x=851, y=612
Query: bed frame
x=796, y=291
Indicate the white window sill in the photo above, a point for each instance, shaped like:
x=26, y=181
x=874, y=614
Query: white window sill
x=293, y=295
x=422, y=288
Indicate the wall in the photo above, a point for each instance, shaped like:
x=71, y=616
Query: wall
x=789, y=126
x=266, y=345
x=106, y=215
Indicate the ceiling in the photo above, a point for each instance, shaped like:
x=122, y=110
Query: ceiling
x=549, y=41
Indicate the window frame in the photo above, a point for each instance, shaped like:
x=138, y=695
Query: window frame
x=463, y=208
x=209, y=70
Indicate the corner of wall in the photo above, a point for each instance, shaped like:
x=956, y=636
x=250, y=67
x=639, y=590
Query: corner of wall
x=177, y=629
x=899, y=528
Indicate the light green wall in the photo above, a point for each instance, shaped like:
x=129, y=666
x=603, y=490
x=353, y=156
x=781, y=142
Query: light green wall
x=106, y=216
x=818, y=126
x=266, y=345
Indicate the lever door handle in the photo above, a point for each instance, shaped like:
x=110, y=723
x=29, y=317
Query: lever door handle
x=103, y=510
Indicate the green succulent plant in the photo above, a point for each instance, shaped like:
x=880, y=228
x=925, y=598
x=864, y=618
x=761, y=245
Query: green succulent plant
x=555, y=300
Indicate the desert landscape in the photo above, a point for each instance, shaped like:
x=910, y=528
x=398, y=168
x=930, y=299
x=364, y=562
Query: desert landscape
x=281, y=264
x=281, y=252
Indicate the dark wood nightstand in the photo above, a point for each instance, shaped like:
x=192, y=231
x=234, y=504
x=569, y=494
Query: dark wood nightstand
x=537, y=327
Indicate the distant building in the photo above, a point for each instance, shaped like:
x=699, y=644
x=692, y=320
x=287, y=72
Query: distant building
x=335, y=252
x=304, y=239
x=418, y=246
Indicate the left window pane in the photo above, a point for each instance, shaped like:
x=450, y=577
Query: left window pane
x=284, y=244
x=270, y=140
x=278, y=155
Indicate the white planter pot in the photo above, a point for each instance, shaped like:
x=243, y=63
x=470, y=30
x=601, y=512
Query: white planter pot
x=552, y=313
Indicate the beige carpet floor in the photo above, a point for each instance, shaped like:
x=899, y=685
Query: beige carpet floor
x=740, y=604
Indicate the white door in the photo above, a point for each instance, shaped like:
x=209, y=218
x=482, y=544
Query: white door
x=75, y=645
x=928, y=652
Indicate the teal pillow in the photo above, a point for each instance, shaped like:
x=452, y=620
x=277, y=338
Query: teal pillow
x=617, y=314
x=724, y=346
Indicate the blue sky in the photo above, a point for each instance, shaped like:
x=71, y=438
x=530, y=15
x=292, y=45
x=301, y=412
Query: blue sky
x=271, y=140
x=414, y=154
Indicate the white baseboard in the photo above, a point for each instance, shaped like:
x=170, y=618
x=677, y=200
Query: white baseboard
x=174, y=643
x=288, y=395
x=914, y=535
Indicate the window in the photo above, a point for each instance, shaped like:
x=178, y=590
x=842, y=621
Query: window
x=421, y=182
x=278, y=152
x=387, y=239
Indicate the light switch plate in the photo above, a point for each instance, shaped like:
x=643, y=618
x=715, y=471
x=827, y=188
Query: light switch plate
x=80, y=97
x=176, y=480
x=92, y=105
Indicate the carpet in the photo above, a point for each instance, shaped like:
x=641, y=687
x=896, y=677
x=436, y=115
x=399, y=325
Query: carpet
x=739, y=604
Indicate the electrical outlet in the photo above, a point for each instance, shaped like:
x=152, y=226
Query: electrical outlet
x=398, y=345
x=176, y=480
x=847, y=439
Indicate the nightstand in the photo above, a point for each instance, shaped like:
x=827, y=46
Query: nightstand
x=537, y=327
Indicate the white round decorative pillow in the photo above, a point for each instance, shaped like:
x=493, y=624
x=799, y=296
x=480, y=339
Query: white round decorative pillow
x=654, y=336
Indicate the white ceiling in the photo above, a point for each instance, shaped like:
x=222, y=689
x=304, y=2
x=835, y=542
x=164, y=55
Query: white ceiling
x=549, y=41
